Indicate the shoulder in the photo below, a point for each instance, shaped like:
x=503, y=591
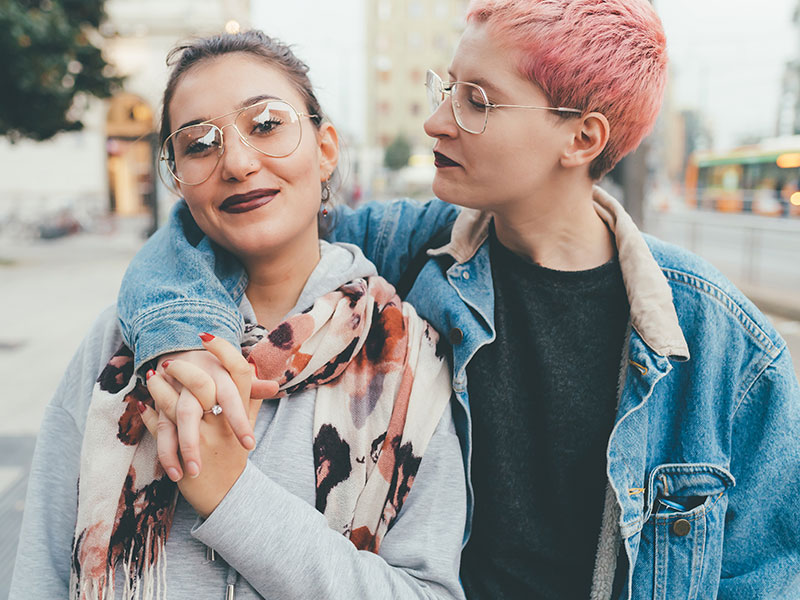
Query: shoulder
x=701, y=290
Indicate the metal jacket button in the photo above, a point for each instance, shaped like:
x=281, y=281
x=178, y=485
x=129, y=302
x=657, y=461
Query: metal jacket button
x=456, y=336
x=681, y=527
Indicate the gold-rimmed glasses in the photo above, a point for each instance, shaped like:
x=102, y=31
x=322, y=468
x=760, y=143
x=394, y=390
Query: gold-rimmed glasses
x=470, y=104
x=271, y=127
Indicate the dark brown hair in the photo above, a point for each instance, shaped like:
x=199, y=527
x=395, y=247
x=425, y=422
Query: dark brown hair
x=255, y=43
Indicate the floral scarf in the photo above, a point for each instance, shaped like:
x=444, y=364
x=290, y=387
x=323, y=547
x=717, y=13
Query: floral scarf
x=382, y=387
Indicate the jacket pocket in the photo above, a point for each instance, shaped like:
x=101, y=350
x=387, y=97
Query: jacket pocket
x=680, y=552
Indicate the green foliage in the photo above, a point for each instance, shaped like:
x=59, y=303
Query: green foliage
x=397, y=153
x=48, y=62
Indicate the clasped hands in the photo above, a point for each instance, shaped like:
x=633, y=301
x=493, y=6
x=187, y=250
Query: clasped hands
x=210, y=449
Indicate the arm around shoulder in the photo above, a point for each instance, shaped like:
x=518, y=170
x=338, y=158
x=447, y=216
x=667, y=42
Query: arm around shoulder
x=178, y=285
x=392, y=233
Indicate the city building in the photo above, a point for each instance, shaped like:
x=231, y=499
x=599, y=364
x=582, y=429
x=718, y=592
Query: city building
x=405, y=38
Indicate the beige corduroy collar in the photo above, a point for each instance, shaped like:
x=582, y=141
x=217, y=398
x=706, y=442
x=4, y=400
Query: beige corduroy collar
x=653, y=314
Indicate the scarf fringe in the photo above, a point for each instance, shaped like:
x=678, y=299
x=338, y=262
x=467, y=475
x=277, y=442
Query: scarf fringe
x=150, y=585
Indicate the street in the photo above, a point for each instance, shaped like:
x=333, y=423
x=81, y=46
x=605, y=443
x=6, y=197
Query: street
x=51, y=293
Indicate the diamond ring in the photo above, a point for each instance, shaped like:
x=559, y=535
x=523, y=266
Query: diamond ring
x=214, y=410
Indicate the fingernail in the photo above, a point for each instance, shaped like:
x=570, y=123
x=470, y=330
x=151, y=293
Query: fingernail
x=150, y=373
x=192, y=470
x=173, y=474
x=140, y=405
x=249, y=442
x=165, y=364
x=206, y=337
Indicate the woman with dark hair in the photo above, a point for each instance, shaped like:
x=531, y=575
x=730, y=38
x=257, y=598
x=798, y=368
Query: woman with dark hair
x=327, y=495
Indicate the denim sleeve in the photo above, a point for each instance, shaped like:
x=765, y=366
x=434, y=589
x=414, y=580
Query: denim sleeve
x=181, y=284
x=392, y=233
x=178, y=285
x=761, y=556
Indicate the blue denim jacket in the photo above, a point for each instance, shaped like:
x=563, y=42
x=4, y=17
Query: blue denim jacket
x=708, y=414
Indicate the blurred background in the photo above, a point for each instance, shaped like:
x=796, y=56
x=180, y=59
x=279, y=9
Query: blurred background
x=82, y=81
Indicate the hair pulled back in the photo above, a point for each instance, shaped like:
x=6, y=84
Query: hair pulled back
x=255, y=43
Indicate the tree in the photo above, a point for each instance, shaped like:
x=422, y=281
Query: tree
x=397, y=153
x=49, y=64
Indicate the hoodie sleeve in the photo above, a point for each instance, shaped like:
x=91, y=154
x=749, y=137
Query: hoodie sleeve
x=42, y=567
x=285, y=549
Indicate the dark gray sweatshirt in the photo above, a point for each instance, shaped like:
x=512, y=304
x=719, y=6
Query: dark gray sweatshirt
x=270, y=542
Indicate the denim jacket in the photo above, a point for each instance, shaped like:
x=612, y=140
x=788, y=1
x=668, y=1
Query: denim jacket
x=708, y=416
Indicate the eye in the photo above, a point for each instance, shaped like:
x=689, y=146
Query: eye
x=199, y=144
x=265, y=127
x=477, y=103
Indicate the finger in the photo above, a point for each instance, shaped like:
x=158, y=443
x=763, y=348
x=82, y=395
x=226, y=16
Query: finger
x=263, y=388
x=195, y=379
x=231, y=358
x=167, y=444
x=233, y=409
x=163, y=394
x=252, y=412
x=189, y=414
x=149, y=418
x=233, y=390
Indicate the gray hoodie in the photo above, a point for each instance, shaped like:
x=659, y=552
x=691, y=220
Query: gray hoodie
x=269, y=540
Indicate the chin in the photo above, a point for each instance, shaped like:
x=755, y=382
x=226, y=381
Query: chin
x=465, y=197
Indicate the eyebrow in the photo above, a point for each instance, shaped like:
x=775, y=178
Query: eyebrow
x=487, y=86
x=243, y=104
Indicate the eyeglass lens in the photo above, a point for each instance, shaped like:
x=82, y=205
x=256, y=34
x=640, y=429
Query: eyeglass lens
x=272, y=128
x=469, y=102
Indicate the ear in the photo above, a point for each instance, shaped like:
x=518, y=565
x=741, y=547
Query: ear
x=328, y=140
x=590, y=136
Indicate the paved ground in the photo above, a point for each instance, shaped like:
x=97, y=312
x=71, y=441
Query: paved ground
x=50, y=293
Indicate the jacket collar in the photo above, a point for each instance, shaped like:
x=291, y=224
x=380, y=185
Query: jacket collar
x=653, y=314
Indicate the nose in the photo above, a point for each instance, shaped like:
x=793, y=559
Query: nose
x=238, y=160
x=442, y=123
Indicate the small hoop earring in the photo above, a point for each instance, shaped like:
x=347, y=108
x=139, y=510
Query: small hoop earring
x=326, y=196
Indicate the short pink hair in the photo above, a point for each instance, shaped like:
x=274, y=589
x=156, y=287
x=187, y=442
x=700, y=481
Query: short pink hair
x=596, y=55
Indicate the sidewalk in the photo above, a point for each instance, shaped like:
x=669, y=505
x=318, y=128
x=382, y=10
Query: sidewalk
x=52, y=291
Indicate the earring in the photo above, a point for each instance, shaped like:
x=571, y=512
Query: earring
x=326, y=196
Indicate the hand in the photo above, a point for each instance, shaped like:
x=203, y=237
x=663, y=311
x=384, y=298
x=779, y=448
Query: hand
x=182, y=430
x=225, y=458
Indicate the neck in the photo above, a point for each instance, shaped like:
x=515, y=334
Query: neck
x=277, y=280
x=556, y=228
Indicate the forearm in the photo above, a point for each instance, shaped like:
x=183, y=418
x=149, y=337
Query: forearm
x=178, y=285
x=285, y=549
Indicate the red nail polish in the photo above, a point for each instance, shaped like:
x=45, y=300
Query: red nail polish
x=140, y=405
x=206, y=337
x=150, y=373
x=165, y=364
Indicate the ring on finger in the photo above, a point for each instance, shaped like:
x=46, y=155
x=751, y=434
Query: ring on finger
x=214, y=410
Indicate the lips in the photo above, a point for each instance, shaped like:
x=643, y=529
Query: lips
x=242, y=203
x=442, y=160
